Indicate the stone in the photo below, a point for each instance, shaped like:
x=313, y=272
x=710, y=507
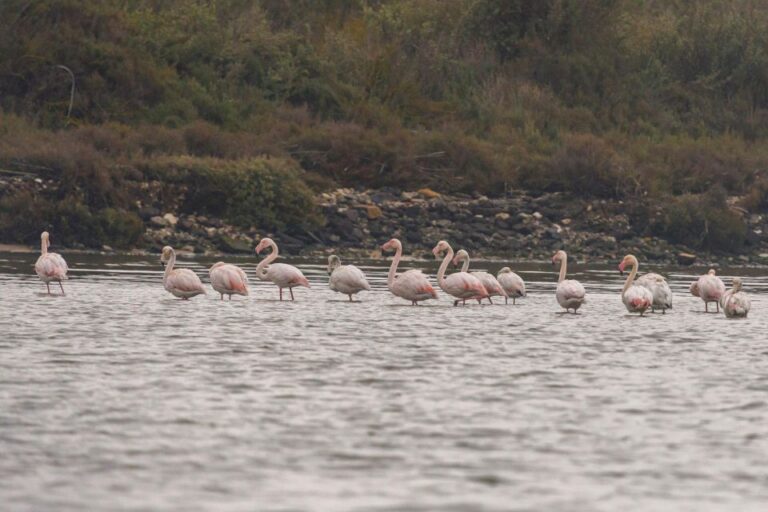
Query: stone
x=158, y=221
x=171, y=219
x=686, y=258
x=229, y=244
x=373, y=211
x=427, y=193
x=537, y=215
x=106, y=248
x=566, y=221
x=502, y=216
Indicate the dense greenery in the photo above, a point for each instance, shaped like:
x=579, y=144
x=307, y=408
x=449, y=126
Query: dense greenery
x=651, y=99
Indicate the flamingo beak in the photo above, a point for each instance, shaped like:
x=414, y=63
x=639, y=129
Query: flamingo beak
x=621, y=268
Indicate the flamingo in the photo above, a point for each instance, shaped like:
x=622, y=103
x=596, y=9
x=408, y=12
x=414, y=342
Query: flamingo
x=659, y=288
x=711, y=289
x=461, y=285
x=180, y=282
x=694, y=288
x=347, y=279
x=492, y=286
x=228, y=279
x=570, y=293
x=513, y=284
x=50, y=266
x=411, y=285
x=283, y=275
x=735, y=302
x=636, y=298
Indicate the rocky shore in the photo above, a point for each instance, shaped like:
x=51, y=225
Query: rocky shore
x=518, y=226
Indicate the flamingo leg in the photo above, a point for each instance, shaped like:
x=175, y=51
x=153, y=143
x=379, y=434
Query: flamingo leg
x=489, y=299
x=456, y=303
x=62, y=288
x=513, y=301
x=350, y=297
x=506, y=300
x=48, y=286
x=281, y=294
x=222, y=296
x=230, y=296
x=291, y=290
x=706, y=307
x=413, y=303
x=717, y=305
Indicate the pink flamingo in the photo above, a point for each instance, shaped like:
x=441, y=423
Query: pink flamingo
x=411, y=285
x=461, y=285
x=711, y=289
x=180, y=282
x=659, y=288
x=570, y=293
x=736, y=303
x=228, y=279
x=637, y=299
x=513, y=284
x=347, y=279
x=282, y=274
x=492, y=286
x=50, y=266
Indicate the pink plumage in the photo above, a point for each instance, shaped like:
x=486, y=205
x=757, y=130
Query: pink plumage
x=50, y=266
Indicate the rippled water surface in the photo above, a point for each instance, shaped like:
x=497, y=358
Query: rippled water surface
x=121, y=397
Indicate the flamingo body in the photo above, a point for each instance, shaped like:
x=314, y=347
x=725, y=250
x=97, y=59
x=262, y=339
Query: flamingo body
x=346, y=279
x=711, y=289
x=736, y=304
x=281, y=274
x=490, y=283
x=570, y=293
x=512, y=283
x=461, y=285
x=411, y=285
x=659, y=288
x=636, y=298
x=228, y=279
x=50, y=266
x=180, y=282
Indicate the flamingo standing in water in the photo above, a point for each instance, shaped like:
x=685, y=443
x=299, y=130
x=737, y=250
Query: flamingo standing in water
x=570, y=293
x=282, y=274
x=50, y=266
x=735, y=302
x=711, y=289
x=513, y=284
x=492, y=286
x=637, y=299
x=347, y=279
x=180, y=282
x=411, y=285
x=228, y=279
x=461, y=285
x=659, y=288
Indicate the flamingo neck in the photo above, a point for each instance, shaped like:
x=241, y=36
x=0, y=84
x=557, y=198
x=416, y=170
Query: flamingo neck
x=261, y=270
x=393, y=267
x=465, y=265
x=630, y=278
x=169, y=266
x=44, y=246
x=563, y=269
x=444, y=266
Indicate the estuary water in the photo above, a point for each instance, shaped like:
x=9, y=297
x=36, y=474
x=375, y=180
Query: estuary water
x=121, y=397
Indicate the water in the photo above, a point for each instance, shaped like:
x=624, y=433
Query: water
x=121, y=397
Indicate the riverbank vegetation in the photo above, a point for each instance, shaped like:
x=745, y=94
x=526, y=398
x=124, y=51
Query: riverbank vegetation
x=660, y=103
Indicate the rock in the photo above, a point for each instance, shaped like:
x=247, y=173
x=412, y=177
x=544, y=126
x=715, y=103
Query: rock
x=427, y=193
x=106, y=248
x=566, y=221
x=686, y=258
x=537, y=216
x=159, y=221
x=229, y=244
x=373, y=211
x=147, y=212
x=502, y=216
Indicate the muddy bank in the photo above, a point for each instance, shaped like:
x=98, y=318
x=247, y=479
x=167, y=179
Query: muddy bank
x=518, y=226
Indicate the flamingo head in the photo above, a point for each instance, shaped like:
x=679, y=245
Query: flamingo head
x=628, y=260
x=44, y=236
x=333, y=263
x=392, y=245
x=460, y=256
x=165, y=255
x=559, y=257
x=263, y=244
x=712, y=272
x=505, y=270
x=441, y=246
x=736, y=284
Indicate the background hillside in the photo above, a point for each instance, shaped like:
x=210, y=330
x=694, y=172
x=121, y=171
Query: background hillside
x=660, y=103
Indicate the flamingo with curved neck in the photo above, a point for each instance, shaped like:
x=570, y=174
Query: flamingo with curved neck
x=50, y=266
x=637, y=299
x=411, y=285
x=461, y=285
x=491, y=284
x=570, y=293
x=736, y=303
x=282, y=274
x=180, y=282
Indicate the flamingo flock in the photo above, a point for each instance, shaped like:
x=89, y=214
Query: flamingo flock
x=639, y=294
